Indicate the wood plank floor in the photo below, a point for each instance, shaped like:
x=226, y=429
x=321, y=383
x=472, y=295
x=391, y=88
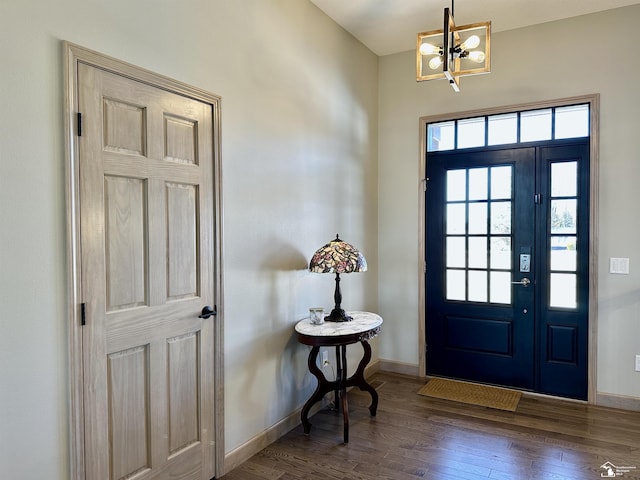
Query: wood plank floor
x=414, y=436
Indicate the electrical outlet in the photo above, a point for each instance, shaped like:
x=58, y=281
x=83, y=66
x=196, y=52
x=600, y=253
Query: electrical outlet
x=325, y=358
x=637, y=363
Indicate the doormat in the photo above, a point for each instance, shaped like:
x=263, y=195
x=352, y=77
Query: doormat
x=472, y=393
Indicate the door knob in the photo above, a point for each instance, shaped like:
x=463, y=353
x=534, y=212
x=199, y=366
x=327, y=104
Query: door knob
x=207, y=312
x=524, y=282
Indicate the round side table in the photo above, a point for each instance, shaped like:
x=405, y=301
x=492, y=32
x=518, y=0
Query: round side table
x=362, y=328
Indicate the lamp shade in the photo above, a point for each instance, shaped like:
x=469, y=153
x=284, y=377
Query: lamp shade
x=338, y=257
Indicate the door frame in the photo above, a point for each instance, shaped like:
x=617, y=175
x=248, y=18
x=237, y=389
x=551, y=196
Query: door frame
x=73, y=56
x=594, y=117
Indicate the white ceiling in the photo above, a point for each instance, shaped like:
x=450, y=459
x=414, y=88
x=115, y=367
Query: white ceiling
x=390, y=26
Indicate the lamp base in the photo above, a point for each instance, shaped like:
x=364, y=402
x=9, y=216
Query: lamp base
x=338, y=315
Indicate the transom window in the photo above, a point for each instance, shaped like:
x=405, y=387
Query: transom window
x=518, y=127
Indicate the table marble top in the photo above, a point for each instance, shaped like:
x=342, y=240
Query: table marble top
x=362, y=322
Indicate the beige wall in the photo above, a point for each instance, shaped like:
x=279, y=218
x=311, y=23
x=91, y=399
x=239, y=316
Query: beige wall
x=583, y=55
x=301, y=112
x=299, y=152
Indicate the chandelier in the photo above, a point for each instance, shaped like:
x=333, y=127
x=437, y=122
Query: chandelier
x=453, y=52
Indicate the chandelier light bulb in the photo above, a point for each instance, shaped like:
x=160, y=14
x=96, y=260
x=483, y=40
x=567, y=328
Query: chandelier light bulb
x=472, y=42
x=477, y=56
x=428, y=49
x=435, y=63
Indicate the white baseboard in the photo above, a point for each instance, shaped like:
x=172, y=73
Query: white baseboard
x=618, y=401
x=248, y=449
x=392, y=366
x=265, y=438
x=372, y=368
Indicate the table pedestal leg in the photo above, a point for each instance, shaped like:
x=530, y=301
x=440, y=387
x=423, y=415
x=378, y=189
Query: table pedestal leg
x=321, y=389
x=343, y=392
x=357, y=379
x=337, y=392
x=340, y=385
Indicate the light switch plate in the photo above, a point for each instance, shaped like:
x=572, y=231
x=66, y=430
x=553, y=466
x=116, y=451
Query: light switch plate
x=619, y=266
x=637, y=363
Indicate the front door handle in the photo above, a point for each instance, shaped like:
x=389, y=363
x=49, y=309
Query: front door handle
x=207, y=312
x=525, y=282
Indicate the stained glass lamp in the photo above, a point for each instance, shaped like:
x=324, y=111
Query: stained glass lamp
x=338, y=257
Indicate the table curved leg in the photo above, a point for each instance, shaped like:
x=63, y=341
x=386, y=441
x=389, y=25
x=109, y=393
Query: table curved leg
x=319, y=392
x=358, y=378
x=343, y=393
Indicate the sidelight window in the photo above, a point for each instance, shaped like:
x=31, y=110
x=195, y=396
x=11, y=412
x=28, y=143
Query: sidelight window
x=563, y=214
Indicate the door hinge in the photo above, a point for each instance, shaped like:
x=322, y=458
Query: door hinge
x=537, y=198
x=424, y=267
x=424, y=184
x=83, y=314
x=79, y=124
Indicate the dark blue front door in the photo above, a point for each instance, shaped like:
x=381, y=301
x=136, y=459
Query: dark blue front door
x=507, y=266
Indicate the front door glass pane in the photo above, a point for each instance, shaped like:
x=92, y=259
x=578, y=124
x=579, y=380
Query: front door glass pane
x=563, y=290
x=501, y=218
x=478, y=218
x=477, y=285
x=500, y=287
x=456, y=218
x=563, y=253
x=456, y=185
x=563, y=216
x=478, y=186
x=501, y=253
x=456, y=285
x=456, y=252
x=477, y=252
x=501, y=182
x=564, y=179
